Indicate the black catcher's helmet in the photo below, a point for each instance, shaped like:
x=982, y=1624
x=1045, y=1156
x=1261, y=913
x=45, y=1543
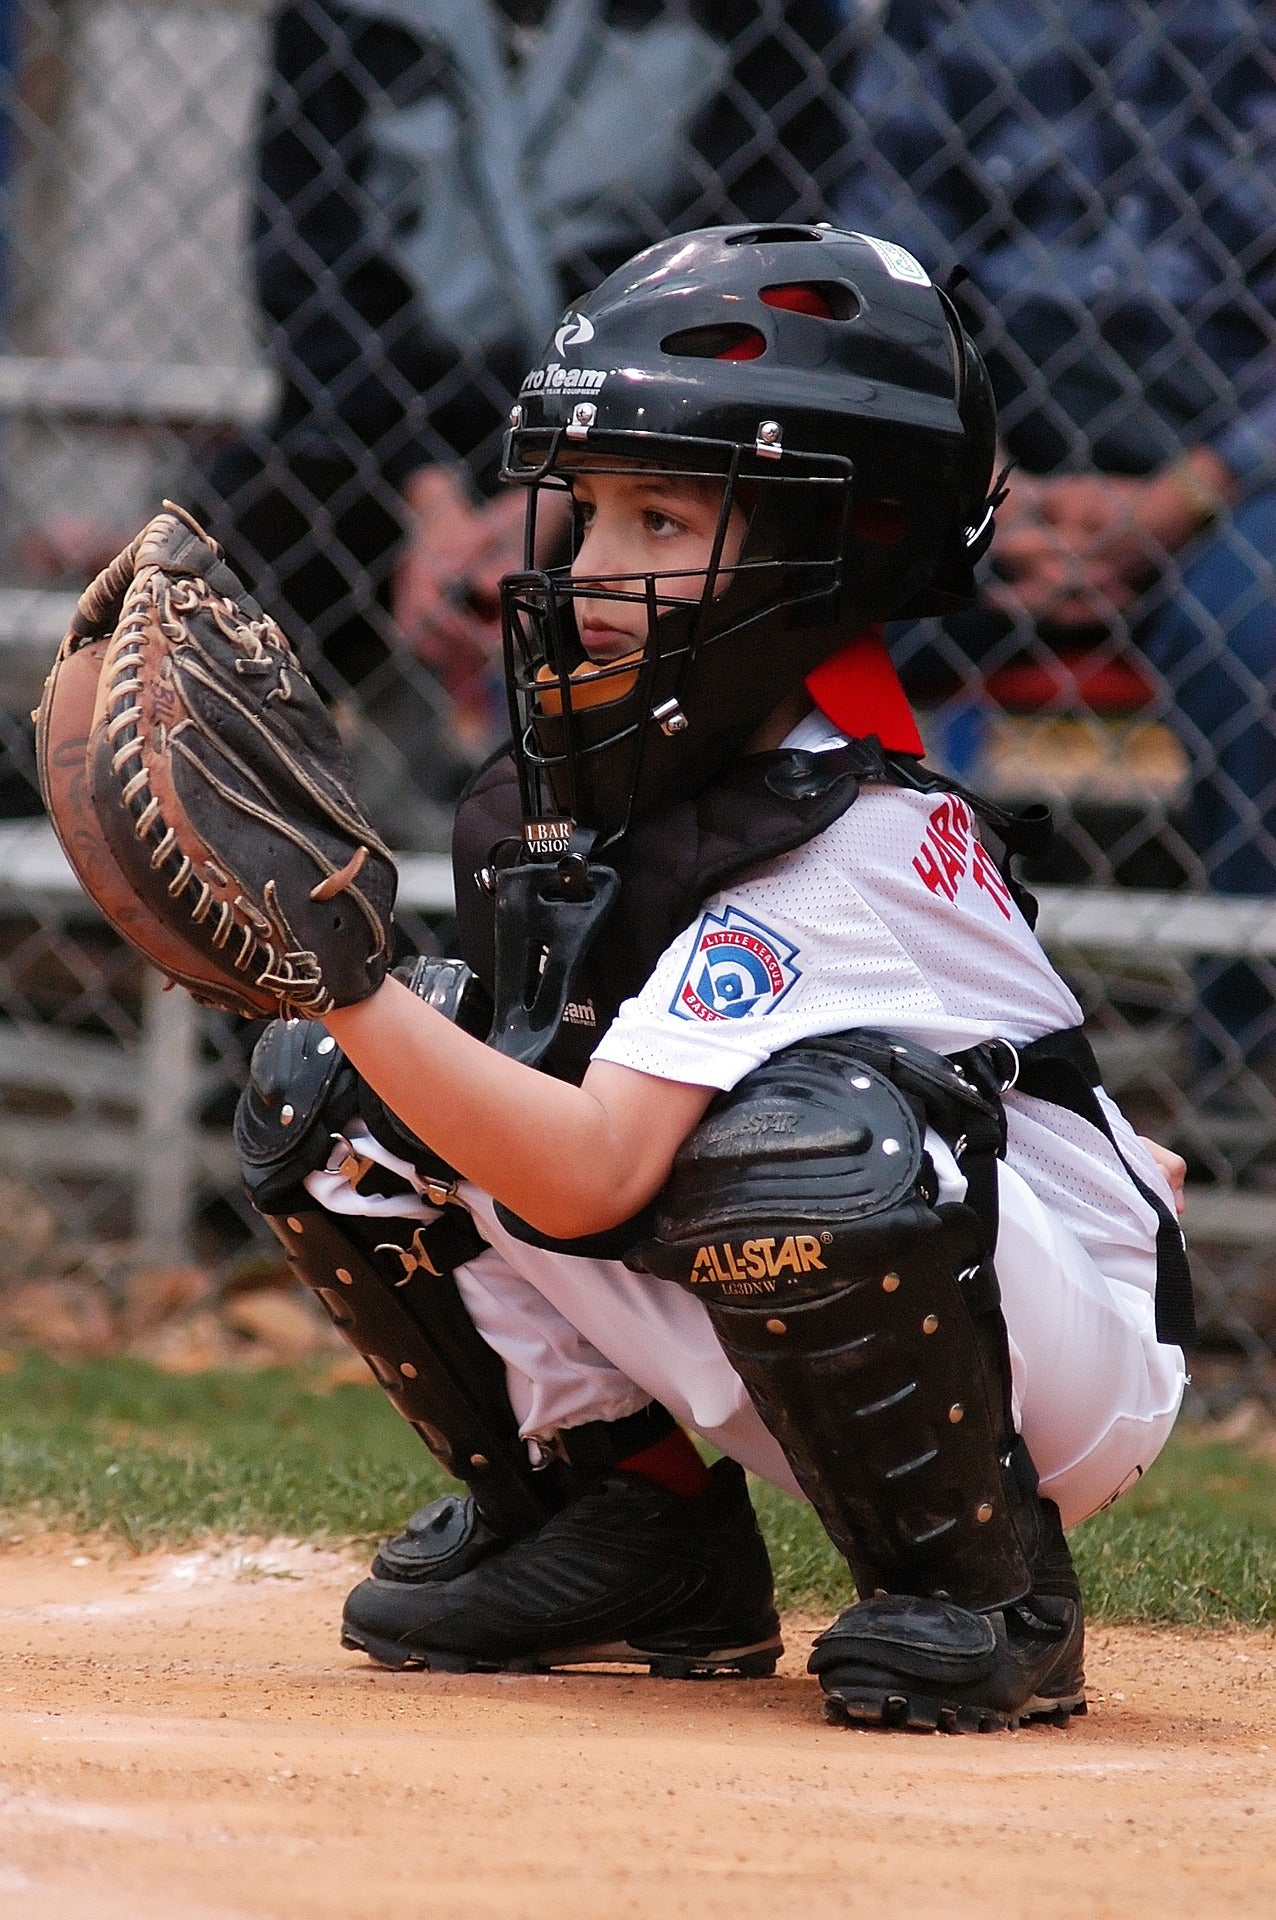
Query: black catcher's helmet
x=832, y=390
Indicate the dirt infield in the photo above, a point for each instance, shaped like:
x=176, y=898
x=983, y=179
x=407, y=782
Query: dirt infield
x=181, y=1736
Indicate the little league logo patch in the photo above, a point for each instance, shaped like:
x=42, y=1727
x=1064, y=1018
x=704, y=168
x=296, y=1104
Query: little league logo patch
x=738, y=968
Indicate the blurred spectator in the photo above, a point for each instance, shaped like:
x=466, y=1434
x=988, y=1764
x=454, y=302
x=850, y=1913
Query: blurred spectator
x=6, y=149
x=1105, y=170
x=438, y=179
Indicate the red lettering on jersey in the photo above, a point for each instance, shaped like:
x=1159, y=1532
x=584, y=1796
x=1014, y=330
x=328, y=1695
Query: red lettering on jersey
x=987, y=877
x=951, y=849
x=941, y=860
x=950, y=826
x=932, y=874
x=950, y=859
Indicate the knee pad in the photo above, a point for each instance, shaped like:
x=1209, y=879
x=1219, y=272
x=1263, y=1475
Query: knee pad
x=863, y=1318
x=302, y=1093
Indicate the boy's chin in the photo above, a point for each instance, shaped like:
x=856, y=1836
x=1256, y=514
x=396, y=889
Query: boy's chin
x=607, y=645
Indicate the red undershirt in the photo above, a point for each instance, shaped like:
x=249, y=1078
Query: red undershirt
x=858, y=690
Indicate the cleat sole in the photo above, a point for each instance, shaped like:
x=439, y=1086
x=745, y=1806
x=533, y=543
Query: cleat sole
x=922, y=1713
x=402, y=1659
x=752, y=1663
x=1057, y=1712
x=741, y=1663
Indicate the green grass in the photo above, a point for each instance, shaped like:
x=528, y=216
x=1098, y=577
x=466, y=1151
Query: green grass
x=1194, y=1544
x=115, y=1447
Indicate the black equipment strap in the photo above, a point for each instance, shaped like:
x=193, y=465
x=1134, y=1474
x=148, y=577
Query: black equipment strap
x=1061, y=1068
x=453, y=1239
x=600, y=1446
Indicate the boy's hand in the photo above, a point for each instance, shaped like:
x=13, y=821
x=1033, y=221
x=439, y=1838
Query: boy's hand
x=1172, y=1165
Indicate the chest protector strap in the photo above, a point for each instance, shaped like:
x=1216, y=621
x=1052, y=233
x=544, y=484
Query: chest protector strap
x=864, y=1319
x=1061, y=1067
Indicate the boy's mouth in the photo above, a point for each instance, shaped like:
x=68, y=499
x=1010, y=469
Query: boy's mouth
x=604, y=644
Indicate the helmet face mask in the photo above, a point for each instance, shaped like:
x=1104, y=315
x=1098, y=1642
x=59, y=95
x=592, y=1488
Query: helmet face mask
x=601, y=739
x=833, y=398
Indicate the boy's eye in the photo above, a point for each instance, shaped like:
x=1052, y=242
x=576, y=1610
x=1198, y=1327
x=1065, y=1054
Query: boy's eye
x=658, y=522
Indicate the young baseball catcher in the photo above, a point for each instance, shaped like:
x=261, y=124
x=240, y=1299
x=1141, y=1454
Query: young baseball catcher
x=752, y=1105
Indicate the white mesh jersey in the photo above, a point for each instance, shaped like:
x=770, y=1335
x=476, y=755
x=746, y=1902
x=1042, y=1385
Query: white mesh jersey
x=894, y=917
x=891, y=918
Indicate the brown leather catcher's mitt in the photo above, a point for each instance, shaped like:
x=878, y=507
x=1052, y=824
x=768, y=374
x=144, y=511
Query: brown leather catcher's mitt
x=200, y=791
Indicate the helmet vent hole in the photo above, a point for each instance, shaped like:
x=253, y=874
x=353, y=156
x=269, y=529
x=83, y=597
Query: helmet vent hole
x=729, y=341
x=821, y=299
x=771, y=236
x=883, y=523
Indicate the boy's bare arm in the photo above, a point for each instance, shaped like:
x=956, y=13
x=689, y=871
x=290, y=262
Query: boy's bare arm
x=569, y=1160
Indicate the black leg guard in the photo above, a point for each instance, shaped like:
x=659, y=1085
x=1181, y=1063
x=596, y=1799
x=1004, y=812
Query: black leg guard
x=887, y=1399
x=388, y=1285
x=389, y=1288
x=866, y=1323
x=397, y=1304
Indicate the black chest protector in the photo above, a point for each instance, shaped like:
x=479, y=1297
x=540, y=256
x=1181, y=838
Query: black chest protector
x=667, y=865
x=674, y=858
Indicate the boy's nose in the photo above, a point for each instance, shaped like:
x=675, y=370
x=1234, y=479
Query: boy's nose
x=601, y=557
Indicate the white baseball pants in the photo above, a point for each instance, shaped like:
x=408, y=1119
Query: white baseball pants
x=1095, y=1396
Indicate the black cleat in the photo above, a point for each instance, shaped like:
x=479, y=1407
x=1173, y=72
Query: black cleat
x=440, y=1541
x=626, y=1572
x=900, y=1661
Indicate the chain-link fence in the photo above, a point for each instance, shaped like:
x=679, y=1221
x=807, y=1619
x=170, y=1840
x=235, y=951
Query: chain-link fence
x=287, y=264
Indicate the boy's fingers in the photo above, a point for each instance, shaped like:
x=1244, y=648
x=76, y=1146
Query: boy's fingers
x=1172, y=1165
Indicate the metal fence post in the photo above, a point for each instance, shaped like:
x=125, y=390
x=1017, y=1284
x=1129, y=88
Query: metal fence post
x=168, y=1142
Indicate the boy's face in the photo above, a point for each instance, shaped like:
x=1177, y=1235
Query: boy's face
x=637, y=523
